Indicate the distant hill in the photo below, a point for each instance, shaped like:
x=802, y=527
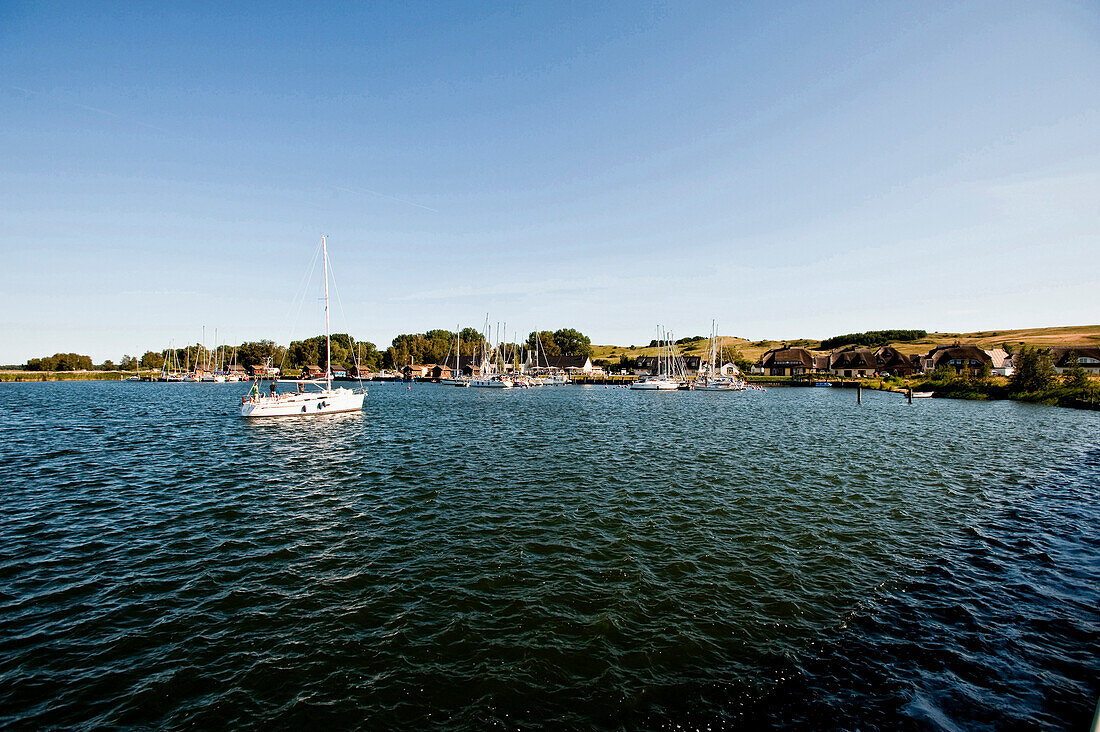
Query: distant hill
x=752, y=350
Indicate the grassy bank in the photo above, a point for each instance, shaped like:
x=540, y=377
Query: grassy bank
x=1059, y=393
x=1080, y=335
x=66, y=375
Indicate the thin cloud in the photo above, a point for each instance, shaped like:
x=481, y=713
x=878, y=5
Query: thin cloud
x=97, y=110
x=347, y=189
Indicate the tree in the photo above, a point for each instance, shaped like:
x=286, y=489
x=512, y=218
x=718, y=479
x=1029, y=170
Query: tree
x=1034, y=369
x=108, y=365
x=944, y=374
x=60, y=362
x=152, y=360
x=255, y=353
x=543, y=342
x=128, y=363
x=572, y=342
x=1075, y=374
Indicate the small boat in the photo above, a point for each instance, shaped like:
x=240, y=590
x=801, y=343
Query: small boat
x=322, y=399
x=923, y=394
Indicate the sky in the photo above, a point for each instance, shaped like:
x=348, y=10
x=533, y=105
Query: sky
x=791, y=170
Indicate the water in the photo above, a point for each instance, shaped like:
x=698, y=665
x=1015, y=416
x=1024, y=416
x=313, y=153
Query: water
x=567, y=558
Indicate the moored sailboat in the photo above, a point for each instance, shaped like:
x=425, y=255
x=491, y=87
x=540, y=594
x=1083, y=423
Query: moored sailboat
x=665, y=379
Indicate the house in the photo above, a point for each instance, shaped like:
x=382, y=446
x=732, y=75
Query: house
x=1087, y=356
x=645, y=365
x=312, y=372
x=649, y=365
x=892, y=361
x=438, y=372
x=729, y=369
x=785, y=362
x=412, y=371
x=857, y=362
x=262, y=370
x=966, y=358
x=574, y=364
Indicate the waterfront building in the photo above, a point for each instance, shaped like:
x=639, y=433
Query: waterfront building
x=786, y=362
x=849, y=362
x=1087, y=356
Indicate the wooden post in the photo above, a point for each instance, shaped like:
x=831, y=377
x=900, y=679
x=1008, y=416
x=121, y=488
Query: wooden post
x=910, y=395
x=859, y=393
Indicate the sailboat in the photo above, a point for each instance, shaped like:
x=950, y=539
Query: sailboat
x=321, y=398
x=711, y=379
x=456, y=378
x=487, y=376
x=664, y=379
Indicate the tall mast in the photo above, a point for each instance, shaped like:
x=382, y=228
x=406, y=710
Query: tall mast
x=328, y=337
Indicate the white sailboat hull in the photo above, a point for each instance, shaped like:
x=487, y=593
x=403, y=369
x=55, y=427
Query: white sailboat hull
x=655, y=385
x=302, y=405
x=491, y=383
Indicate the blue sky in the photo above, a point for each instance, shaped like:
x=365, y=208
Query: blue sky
x=791, y=170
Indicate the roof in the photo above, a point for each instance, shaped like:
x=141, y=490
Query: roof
x=1000, y=357
x=788, y=357
x=1060, y=354
x=567, y=362
x=853, y=358
x=965, y=352
x=890, y=357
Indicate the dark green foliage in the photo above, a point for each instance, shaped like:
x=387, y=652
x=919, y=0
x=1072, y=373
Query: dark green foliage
x=128, y=363
x=1075, y=375
x=562, y=342
x=572, y=342
x=435, y=346
x=255, y=353
x=1034, y=370
x=152, y=360
x=61, y=362
x=543, y=341
x=873, y=338
x=944, y=374
x=346, y=353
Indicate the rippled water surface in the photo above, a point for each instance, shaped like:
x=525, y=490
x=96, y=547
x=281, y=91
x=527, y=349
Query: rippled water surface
x=569, y=557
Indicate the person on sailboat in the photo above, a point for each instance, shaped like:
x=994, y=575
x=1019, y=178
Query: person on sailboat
x=273, y=390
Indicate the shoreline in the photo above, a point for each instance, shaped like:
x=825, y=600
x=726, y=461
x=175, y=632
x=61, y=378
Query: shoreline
x=1058, y=396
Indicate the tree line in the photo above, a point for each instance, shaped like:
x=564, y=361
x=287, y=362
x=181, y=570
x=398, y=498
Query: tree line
x=872, y=338
x=434, y=346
